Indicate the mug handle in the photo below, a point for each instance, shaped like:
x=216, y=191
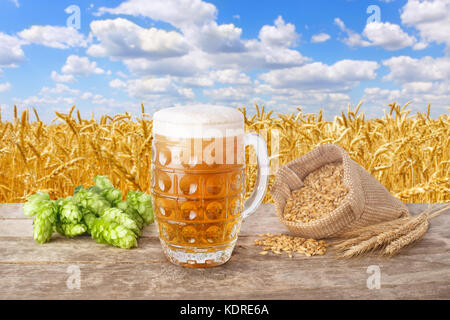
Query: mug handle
x=262, y=175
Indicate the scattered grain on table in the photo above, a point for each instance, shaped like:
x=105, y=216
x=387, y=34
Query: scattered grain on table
x=290, y=245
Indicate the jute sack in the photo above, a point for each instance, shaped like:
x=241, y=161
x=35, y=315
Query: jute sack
x=367, y=202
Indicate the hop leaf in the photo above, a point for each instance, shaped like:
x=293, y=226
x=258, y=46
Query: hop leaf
x=142, y=203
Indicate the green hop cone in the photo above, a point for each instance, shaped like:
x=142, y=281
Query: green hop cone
x=120, y=236
x=89, y=200
x=88, y=219
x=142, y=203
x=103, y=182
x=34, y=202
x=133, y=214
x=114, y=196
x=120, y=217
x=107, y=190
x=69, y=213
x=45, y=221
x=110, y=232
x=71, y=230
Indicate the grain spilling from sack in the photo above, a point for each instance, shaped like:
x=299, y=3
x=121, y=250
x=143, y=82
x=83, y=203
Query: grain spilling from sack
x=290, y=245
x=322, y=193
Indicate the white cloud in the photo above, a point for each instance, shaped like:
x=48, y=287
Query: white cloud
x=81, y=66
x=387, y=35
x=11, y=51
x=188, y=65
x=341, y=75
x=5, y=86
x=179, y=13
x=384, y=34
x=61, y=97
x=229, y=94
x=54, y=36
x=279, y=35
x=215, y=38
x=230, y=76
x=152, y=89
x=121, y=74
x=425, y=80
x=406, y=69
x=353, y=39
x=212, y=46
x=44, y=101
x=198, y=81
x=320, y=37
x=382, y=96
x=77, y=66
x=117, y=84
x=16, y=3
x=258, y=56
x=121, y=38
x=59, y=89
x=62, y=77
x=86, y=95
x=310, y=100
x=419, y=94
x=430, y=18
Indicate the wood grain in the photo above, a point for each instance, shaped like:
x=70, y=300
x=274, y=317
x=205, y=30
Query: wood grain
x=29, y=270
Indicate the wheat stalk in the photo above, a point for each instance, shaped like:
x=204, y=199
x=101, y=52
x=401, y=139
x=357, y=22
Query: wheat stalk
x=388, y=236
x=422, y=139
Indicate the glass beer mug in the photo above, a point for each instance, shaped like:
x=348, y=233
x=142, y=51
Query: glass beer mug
x=198, y=182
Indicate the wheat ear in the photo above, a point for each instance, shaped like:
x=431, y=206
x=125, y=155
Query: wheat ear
x=384, y=238
x=416, y=234
x=384, y=235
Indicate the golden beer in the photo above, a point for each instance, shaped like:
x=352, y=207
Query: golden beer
x=198, y=183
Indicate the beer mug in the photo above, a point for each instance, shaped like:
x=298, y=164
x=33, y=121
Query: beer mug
x=198, y=182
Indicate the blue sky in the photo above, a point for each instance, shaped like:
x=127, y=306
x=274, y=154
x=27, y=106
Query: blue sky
x=282, y=54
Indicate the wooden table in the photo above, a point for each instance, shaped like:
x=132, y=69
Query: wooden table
x=32, y=271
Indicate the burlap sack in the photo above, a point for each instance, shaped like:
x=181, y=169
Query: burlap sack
x=368, y=201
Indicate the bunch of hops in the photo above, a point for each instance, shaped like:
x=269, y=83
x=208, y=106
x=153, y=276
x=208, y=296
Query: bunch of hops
x=98, y=211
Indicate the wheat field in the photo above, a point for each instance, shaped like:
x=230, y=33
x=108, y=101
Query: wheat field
x=409, y=154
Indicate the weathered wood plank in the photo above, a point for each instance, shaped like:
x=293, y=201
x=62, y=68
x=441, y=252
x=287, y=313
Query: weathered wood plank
x=238, y=279
x=84, y=249
x=11, y=210
x=29, y=270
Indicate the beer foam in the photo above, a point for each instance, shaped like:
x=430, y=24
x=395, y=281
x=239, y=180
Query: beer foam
x=202, y=121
